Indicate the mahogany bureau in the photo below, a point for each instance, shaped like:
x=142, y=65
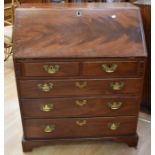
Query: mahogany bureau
x=79, y=71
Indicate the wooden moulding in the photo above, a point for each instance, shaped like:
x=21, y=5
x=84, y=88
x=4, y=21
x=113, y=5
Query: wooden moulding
x=28, y=145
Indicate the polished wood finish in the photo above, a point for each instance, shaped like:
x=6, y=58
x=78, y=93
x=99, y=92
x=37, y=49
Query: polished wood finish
x=83, y=67
x=74, y=97
x=13, y=132
x=68, y=128
x=29, y=88
x=37, y=69
x=72, y=35
x=124, y=68
x=145, y=7
x=28, y=145
x=69, y=107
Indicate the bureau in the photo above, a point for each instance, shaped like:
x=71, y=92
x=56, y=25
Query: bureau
x=79, y=72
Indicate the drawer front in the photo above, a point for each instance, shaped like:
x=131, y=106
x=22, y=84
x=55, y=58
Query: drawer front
x=79, y=127
x=77, y=107
x=51, y=69
x=111, y=68
x=78, y=87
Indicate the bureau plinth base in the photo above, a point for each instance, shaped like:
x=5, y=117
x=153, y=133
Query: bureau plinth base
x=28, y=145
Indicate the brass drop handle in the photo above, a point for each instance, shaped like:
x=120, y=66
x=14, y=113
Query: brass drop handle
x=113, y=126
x=114, y=105
x=45, y=87
x=81, y=103
x=46, y=107
x=109, y=68
x=49, y=128
x=51, y=69
x=117, y=85
x=81, y=123
x=81, y=85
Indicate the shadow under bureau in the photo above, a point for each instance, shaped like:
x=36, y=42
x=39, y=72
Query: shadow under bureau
x=79, y=71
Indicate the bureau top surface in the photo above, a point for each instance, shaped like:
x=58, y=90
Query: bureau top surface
x=83, y=30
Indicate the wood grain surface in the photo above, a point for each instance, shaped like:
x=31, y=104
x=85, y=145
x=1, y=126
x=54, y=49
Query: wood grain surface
x=80, y=31
x=145, y=7
x=71, y=32
x=68, y=88
x=68, y=107
x=37, y=69
x=13, y=131
x=125, y=68
x=68, y=127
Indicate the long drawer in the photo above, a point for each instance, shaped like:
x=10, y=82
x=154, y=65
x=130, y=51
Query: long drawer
x=78, y=107
x=79, y=87
x=79, y=127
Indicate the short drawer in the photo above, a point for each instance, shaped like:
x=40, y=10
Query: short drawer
x=79, y=127
x=78, y=107
x=79, y=87
x=50, y=69
x=113, y=68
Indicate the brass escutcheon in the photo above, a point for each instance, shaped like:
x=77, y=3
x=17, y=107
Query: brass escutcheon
x=51, y=69
x=117, y=85
x=45, y=87
x=114, y=105
x=49, y=128
x=81, y=85
x=109, y=68
x=81, y=123
x=81, y=103
x=113, y=126
x=46, y=107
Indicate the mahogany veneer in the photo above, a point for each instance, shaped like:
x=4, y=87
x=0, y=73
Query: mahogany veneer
x=80, y=70
x=68, y=128
x=79, y=106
